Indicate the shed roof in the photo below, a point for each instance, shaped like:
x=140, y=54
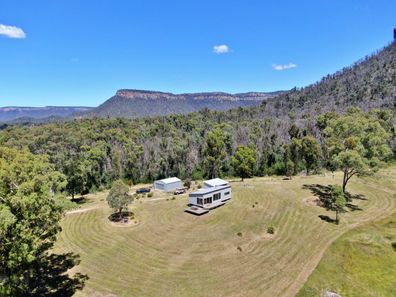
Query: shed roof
x=216, y=182
x=169, y=180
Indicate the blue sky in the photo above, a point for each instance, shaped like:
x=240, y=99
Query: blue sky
x=68, y=52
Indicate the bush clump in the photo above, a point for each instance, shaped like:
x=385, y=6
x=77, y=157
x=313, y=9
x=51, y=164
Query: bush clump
x=239, y=234
x=239, y=248
x=150, y=195
x=394, y=246
x=270, y=230
x=187, y=183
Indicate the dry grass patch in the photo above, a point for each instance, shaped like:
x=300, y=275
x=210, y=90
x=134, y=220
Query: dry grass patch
x=173, y=253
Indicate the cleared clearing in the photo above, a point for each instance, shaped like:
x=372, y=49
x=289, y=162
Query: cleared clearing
x=361, y=263
x=172, y=253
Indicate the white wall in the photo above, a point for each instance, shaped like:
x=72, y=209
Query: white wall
x=193, y=199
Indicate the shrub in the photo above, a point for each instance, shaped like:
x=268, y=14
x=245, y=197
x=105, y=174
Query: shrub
x=187, y=183
x=150, y=195
x=173, y=198
x=253, y=205
x=197, y=174
x=199, y=186
x=239, y=248
x=270, y=230
x=239, y=234
x=394, y=246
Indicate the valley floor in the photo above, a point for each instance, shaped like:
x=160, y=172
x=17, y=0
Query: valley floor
x=172, y=253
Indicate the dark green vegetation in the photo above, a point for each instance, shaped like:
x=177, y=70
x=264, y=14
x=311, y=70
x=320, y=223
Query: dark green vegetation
x=359, y=264
x=244, y=161
x=94, y=153
x=30, y=211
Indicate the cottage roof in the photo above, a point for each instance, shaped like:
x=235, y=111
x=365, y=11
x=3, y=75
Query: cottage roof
x=215, y=182
x=204, y=191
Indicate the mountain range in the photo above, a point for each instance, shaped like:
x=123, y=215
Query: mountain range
x=32, y=114
x=368, y=83
x=137, y=103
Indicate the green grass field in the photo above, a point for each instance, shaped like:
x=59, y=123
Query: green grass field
x=172, y=253
x=362, y=263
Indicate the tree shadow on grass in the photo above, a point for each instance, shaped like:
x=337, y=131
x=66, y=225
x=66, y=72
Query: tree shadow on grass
x=324, y=195
x=351, y=197
x=322, y=192
x=79, y=200
x=353, y=207
x=327, y=219
x=124, y=217
x=48, y=276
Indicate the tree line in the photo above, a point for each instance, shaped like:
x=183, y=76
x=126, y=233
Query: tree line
x=92, y=153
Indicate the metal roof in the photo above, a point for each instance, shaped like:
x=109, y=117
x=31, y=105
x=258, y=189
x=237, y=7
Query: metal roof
x=209, y=190
x=216, y=182
x=169, y=180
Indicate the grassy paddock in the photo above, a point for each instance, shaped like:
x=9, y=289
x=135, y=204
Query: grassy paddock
x=226, y=252
x=361, y=263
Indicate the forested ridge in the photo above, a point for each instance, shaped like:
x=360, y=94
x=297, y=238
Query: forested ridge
x=368, y=83
x=281, y=132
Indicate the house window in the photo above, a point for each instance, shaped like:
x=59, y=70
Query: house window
x=216, y=196
x=208, y=200
x=226, y=193
x=199, y=201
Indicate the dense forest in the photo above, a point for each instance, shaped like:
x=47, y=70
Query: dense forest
x=94, y=152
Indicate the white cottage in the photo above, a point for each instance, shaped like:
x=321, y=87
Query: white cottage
x=215, y=193
x=168, y=184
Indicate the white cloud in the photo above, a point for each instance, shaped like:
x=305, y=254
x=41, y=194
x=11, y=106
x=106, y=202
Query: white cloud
x=11, y=31
x=221, y=49
x=283, y=67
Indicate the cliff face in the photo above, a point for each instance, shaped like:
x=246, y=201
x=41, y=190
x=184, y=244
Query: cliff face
x=137, y=103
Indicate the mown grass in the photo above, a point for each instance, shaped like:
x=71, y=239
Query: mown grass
x=360, y=263
x=227, y=252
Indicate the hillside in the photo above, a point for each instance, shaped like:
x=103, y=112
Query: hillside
x=137, y=103
x=368, y=83
x=30, y=114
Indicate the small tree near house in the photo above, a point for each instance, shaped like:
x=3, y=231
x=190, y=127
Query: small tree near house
x=118, y=197
x=289, y=168
x=243, y=161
